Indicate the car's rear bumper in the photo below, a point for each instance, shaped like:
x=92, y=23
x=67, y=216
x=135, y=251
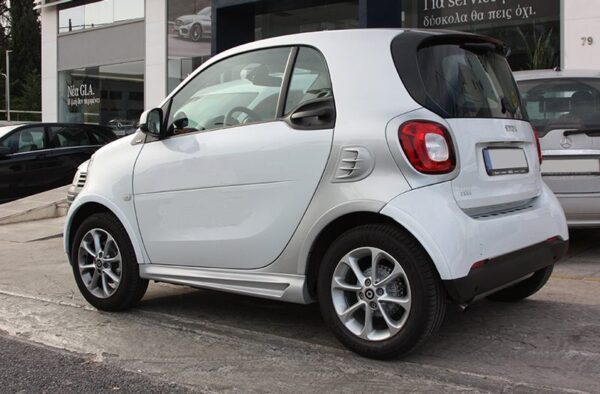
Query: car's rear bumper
x=499, y=271
x=455, y=241
x=581, y=209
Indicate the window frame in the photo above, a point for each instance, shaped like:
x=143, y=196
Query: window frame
x=167, y=107
x=25, y=127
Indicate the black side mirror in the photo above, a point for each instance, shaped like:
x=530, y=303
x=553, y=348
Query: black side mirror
x=4, y=151
x=151, y=122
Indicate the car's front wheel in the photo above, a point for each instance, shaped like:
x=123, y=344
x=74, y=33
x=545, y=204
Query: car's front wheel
x=379, y=291
x=196, y=33
x=104, y=264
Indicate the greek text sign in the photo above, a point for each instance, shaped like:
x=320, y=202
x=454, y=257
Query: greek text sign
x=447, y=13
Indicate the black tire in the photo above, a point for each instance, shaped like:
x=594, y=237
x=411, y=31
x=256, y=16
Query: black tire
x=196, y=33
x=525, y=288
x=131, y=287
x=427, y=294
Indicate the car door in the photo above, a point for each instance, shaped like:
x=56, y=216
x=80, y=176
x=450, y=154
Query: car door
x=229, y=185
x=71, y=145
x=24, y=170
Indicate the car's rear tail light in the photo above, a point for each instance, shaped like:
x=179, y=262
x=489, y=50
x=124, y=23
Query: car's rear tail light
x=428, y=147
x=537, y=144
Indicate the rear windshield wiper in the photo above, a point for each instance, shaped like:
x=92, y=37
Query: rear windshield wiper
x=508, y=107
x=590, y=132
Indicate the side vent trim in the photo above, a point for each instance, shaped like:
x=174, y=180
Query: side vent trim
x=355, y=163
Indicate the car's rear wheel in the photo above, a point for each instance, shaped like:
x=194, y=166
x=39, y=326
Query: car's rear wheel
x=196, y=33
x=379, y=291
x=524, y=288
x=104, y=264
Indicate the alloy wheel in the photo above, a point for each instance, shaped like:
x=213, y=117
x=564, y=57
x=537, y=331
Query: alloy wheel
x=371, y=294
x=100, y=264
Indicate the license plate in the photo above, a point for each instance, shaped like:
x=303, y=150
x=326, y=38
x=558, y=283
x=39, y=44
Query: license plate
x=570, y=166
x=505, y=161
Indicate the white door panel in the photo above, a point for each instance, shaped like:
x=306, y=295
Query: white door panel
x=227, y=198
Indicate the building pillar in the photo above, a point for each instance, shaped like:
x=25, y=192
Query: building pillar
x=155, y=75
x=49, y=19
x=580, y=34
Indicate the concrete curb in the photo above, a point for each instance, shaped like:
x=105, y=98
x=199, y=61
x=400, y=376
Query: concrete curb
x=46, y=205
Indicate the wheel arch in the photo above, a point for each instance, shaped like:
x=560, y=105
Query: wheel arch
x=86, y=206
x=337, y=227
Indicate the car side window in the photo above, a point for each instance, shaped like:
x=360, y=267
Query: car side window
x=68, y=136
x=242, y=89
x=310, y=79
x=25, y=140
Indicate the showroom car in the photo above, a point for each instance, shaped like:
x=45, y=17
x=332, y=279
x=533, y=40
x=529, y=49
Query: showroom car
x=380, y=173
x=564, y=108
x=42, y=156
x=195, y=27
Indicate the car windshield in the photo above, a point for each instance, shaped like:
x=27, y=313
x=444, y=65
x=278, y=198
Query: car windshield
x=469, y=81
x=565, y=103
x=7, y=129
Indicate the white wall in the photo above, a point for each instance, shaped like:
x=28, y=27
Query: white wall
x=581, y=18
x=49, y=19
x=155, y=80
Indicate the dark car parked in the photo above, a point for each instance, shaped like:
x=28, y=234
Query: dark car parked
x=42, y=156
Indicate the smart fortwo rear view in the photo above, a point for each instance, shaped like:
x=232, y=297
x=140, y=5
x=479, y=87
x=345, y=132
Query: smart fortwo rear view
x=381, y=173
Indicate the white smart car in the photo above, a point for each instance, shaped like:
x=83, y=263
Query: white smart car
x=378, y=172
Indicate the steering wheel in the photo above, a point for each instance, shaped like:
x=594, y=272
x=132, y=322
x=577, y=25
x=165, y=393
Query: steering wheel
x=252, y=116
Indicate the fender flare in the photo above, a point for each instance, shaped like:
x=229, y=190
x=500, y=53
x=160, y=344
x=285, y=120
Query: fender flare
x=132, y=231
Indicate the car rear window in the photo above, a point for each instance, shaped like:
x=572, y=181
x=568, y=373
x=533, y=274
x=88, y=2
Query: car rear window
x=562, y=103
x=469, y=81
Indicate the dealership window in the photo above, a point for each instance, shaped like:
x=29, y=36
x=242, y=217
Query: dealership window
x=531, y=28
x=99, y=14
x=110, y=95
x=188, y=37
x=339, y=15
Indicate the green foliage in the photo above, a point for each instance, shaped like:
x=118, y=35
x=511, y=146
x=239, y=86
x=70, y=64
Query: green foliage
x=20, y=32
x=540, y=51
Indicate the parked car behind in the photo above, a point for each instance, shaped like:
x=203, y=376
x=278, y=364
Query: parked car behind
x=378, y=172
x=564, y=108
x=41, y=156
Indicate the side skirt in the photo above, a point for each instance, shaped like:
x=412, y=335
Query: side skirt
x=289, y=288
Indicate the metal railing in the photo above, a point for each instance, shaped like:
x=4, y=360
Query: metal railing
x=22, y=116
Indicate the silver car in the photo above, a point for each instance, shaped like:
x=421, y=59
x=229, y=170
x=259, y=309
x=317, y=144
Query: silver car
x=564, y=108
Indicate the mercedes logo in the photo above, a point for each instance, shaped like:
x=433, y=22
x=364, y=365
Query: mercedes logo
x=566, y=142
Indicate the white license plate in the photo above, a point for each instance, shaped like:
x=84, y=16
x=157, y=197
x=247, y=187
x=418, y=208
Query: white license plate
x=504, y=161
x=570, y=166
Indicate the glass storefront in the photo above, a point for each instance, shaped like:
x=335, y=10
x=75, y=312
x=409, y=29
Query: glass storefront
x=189, y=38
x=531, y=28
x=99, y=14
x=342, y=15
x=111, y=95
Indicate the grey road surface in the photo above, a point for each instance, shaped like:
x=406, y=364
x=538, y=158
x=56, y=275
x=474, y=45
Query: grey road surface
x=28, y=368
x=212, y=341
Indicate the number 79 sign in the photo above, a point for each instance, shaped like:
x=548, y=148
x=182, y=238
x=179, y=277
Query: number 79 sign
x=587, y=41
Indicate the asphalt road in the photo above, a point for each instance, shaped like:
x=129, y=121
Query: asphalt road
x=209, y=341
x=29, y=368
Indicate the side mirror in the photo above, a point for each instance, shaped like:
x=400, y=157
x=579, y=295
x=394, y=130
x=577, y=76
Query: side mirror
x=151, y=122
x=4, y=151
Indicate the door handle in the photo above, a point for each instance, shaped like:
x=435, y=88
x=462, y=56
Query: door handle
x=312, y=113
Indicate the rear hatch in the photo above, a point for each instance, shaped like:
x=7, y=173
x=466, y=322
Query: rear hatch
x=566, y=115
x=466, y=80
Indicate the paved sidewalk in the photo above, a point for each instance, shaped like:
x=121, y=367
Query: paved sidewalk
x=50, y=204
